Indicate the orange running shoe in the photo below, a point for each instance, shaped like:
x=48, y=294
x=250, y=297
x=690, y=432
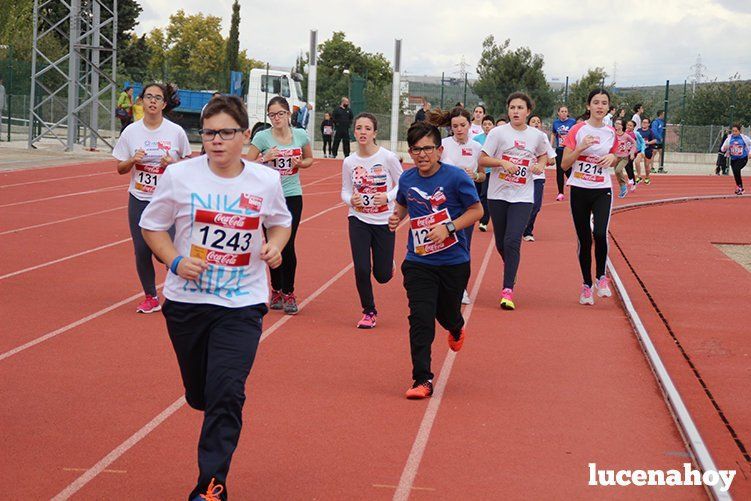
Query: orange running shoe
x=456, y=343
x=213, y=493
x=420, y=390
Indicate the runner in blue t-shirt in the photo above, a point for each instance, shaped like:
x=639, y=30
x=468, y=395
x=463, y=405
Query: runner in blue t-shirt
x=658, y=130
x=561, y=126
x=738, y=145
x=440, y=200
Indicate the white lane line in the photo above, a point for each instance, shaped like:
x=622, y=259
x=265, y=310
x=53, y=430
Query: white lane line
x=39, y=181
x=50, y=263
x=109, y=308
x=338, y=174
x=407, y=480
x=40, y=225
x=340, y=204
x=70, y=326
x=121, y=449
x=88, y=192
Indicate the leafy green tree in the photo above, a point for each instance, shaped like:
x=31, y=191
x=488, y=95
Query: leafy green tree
x=194, y=42
x=720, y=103
x=338, y=54
x=134, y=59
x=577, y=97
x=502, y=71
x=233, y=42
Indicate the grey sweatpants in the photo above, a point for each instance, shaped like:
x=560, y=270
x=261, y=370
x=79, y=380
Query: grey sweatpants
x=144, y=264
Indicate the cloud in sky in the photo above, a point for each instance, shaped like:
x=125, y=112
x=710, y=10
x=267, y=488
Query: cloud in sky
x=643, y=41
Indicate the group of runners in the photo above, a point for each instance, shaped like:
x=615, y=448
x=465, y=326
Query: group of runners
x=219, y=219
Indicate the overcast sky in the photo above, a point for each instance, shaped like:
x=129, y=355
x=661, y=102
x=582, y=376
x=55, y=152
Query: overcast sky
x=642, y=41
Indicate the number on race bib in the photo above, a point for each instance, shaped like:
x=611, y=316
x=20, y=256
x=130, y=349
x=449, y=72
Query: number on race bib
x=222, y=239
x=420, y=228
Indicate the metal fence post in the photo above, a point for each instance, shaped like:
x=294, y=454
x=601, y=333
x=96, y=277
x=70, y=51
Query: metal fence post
x=683, y=113
x=665, y=131
x=442, y=83
x=565, y=93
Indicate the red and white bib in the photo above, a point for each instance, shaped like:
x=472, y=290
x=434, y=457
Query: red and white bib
x=421, y=226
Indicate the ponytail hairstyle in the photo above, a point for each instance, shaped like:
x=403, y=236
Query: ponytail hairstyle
x=441, y=118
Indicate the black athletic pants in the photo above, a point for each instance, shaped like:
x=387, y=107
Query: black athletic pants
x=509, y=221
x=737, y=165
x=326, y=142
x=366, y=240
x=559, y=172
x=344, y=138
x=596, y=203
x=215, y=348
x=434, y=293
x=283, y=277
x=482, y=192
x=539, y=190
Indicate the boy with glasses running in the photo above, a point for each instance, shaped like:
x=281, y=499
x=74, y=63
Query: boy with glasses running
x=441, y=200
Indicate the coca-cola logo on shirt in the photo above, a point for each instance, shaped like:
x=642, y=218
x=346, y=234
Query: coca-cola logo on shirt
x=221, y=258
x=438, y=198
x=229, y=220
x=520, y=144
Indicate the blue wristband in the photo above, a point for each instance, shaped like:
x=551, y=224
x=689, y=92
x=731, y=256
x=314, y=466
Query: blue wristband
x=175, y=263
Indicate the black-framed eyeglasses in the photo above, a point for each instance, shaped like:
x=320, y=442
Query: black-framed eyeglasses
x=226, y=134
x=416, y=150
x=279, y=114
x=153, y=97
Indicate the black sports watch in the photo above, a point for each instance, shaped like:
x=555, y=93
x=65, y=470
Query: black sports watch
x=450, y=226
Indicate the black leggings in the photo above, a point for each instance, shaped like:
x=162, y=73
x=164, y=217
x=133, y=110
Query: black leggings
x=143, y=254
x=597, y=203
x=737, y=165
x=482, y=192
x=630, y=169
x=559, y=172
x=366, y=239
x=326, y=141
x=283, y=277
x=509, y=222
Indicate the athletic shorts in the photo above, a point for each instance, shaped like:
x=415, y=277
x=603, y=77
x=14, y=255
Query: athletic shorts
x=657, y=146
x=648, y=153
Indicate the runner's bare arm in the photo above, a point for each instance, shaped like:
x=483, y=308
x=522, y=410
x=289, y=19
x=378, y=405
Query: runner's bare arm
x=539, y=167
x=307, y=158
x=276, y=239
x=161, y=245
x=253, y=154
x=126, y=165
x=569, y=155
x=396, y=217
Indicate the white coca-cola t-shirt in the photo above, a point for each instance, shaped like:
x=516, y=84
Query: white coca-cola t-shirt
x=169, y=138
x=378, y=173
x=522, y=148
x=475, y=130
x=551, y=154
x=218, y=220
x=464, y=156
x=585, y=173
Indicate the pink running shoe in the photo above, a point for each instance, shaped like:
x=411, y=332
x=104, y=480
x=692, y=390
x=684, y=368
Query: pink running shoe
x=507, y=299
x=368, y=321
x=586, y=296
x=149, y=305
x=559, y=198
x=603, y=287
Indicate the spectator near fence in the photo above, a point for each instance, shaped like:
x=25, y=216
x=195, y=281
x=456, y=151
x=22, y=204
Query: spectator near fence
x=342, y=117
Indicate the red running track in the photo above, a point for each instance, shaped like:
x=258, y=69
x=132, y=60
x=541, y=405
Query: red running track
x=535, y=395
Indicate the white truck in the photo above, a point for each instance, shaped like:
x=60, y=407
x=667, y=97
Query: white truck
x=263, y=84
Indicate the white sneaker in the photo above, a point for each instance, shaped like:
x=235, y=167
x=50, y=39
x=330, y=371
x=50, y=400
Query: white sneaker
x=603, y=287
x=529, y=238
x=586, y=296
x=465, y=298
